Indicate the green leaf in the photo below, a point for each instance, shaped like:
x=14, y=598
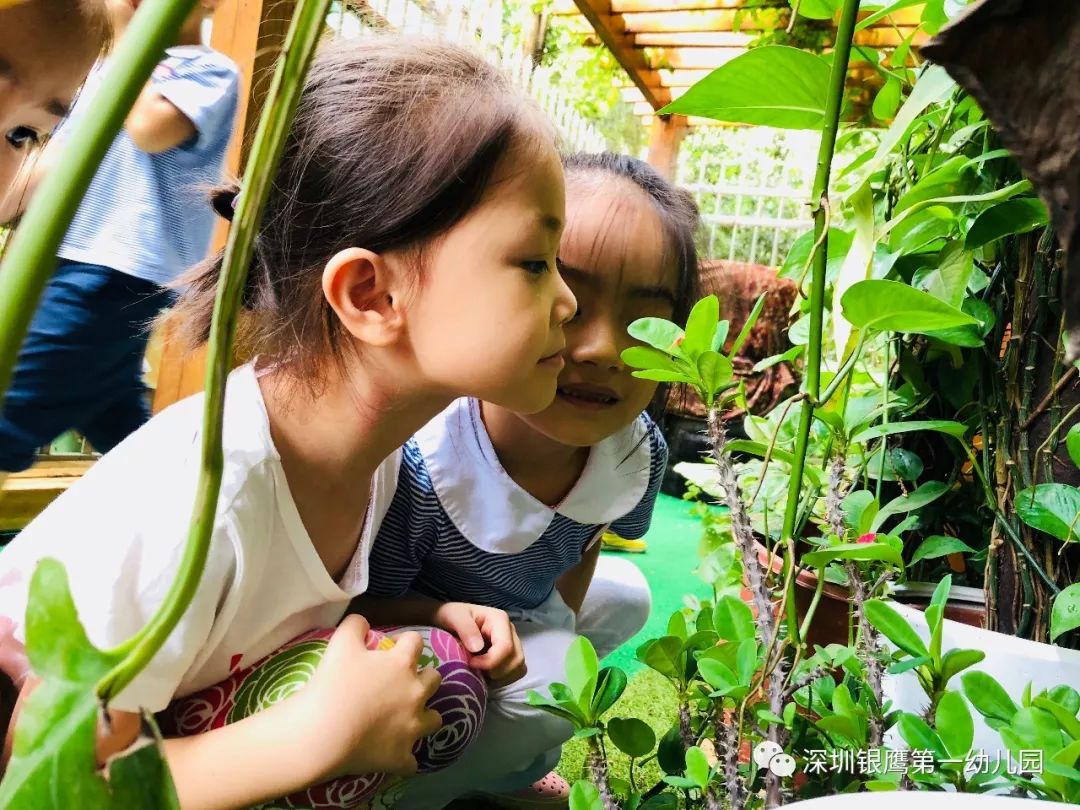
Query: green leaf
x=853, y=551
x=954, y=724
x=787, y=357
x=697, y=767
x=718, y=675
x=919, y=735
x=650, y=358
x=792, y=98
x=891, y=306
x=610, y=684
x=938, y=545
x=748, y=326
x=669, y=752
x=955, y=429
x=839, y=242
x=732, y=619
x=887, y=100
x=1066, y=719
x=582, y=670
x=956, y=661
x=746, y=661
x=760, y=449
x=665, y=801
x=948, y=279
x=1050, y=508
x=661, y=375
x=632, y=736
x=716, y=372
x=816, y=9
x=720, y=336
x=860, y=507
x=676, y=626
x=701, y=326
x=1009, y=218
x=55, y=752
x=1065, y=615
x=664, y=655
x=895, y=628
x=890, y=8
x=988, y=697
x=925, y=494
x=1072, y=444
x=566, y=710
x=659, y=333
x=584, y=795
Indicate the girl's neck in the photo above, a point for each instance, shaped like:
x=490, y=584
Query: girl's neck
x=543, y=467
x=330, y=447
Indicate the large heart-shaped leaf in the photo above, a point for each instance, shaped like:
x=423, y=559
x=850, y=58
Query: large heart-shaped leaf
x=1065, y=615
x=1051, y=508
x=1009, y=218
x=54, y=762
x=632, y=736
x=792, y=97
x=892, y=306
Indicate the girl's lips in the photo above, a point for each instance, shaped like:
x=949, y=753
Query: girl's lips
x=584, y=395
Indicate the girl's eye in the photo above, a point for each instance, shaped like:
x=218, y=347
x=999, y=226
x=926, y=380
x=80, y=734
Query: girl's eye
x=537, y=267
x=21, y=137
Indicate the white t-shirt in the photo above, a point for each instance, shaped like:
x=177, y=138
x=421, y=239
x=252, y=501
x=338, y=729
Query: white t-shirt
x=120, y=533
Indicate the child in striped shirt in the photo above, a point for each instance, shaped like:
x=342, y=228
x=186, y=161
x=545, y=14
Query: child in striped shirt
x=499, y=508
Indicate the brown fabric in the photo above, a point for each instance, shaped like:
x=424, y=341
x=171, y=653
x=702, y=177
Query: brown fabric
x=738, y=285
x=1020, y=59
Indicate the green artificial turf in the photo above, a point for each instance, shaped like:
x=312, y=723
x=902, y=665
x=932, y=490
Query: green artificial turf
x=668, y=565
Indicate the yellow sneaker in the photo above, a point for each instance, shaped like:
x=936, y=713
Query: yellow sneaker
x=612, y=542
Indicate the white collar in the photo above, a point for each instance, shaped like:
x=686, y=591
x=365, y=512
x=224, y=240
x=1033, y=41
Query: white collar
x=495, y=514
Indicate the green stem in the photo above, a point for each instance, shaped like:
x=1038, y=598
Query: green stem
x=304, y=33
x=31, y=255
x=845, y=370
x=884, y=415
x=833, y=106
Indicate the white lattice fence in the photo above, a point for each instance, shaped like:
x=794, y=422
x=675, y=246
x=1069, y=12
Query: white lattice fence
x=751, y=185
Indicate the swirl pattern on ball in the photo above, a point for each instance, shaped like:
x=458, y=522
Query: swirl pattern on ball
x=461, y=701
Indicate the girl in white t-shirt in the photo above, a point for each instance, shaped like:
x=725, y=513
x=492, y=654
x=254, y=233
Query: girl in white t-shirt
x=498, y=507
x=406, y=257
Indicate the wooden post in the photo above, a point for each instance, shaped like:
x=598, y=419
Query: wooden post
x=251, y=33
x=664, y=138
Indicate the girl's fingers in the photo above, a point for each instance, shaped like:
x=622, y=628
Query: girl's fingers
x=409, y=646
x=430, y=680
x=355, y=626
x=430, y=722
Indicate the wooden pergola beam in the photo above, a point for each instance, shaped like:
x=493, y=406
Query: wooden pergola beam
x=612, y=32
x=662, y=20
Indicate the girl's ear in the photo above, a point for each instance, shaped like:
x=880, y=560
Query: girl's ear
x=358, y=285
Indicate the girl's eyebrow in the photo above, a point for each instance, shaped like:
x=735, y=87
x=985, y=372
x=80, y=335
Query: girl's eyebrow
x=53, y=106
x=657, y=291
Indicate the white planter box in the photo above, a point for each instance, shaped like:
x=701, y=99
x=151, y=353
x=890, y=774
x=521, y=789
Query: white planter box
x=1013, y=662
x=902, y=800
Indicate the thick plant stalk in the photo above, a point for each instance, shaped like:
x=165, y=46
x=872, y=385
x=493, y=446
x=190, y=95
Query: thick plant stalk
x=727, y=744
x=767, y=622
x=833, y=105
x=267, y=146
x=686, y=729
x=31, y=255
x=598, y=774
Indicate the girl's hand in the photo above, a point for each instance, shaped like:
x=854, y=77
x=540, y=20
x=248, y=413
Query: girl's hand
x=488, y=636
x=364, y=710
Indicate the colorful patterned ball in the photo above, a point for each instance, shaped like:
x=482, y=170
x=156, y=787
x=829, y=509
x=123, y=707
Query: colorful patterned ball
x=461, y=700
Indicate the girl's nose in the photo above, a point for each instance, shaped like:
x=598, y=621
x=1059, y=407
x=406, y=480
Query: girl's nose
x=565, y=302
x=597, y=344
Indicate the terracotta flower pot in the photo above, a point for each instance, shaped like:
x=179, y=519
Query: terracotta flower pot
x=830, y=623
